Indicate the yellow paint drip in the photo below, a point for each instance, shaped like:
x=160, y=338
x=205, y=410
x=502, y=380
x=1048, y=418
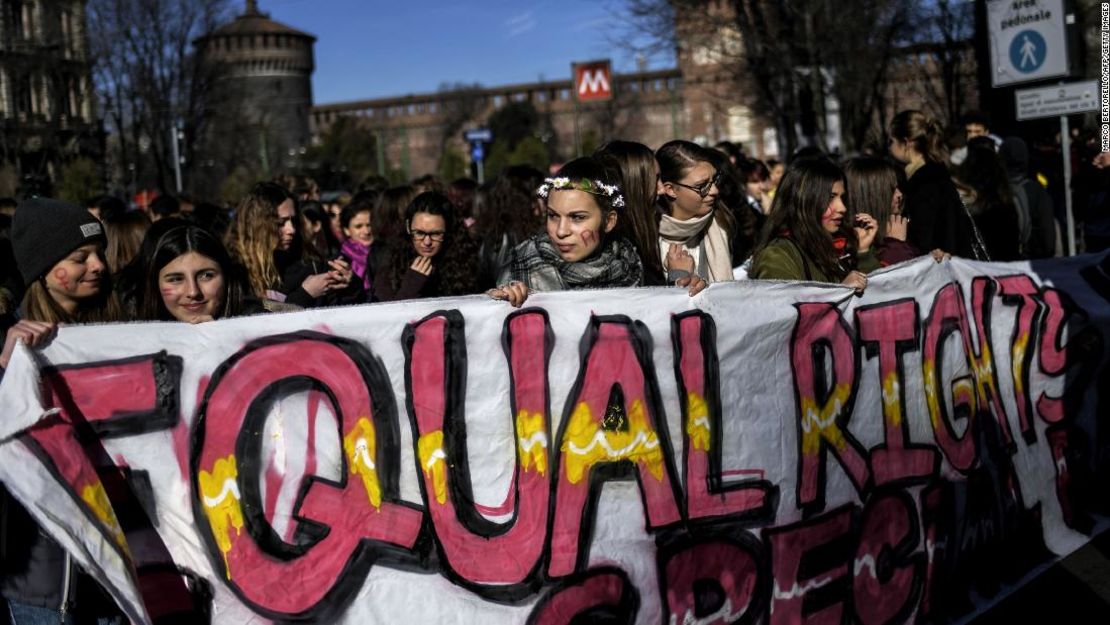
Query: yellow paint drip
x=433, y=461
x=585, y=443
x=929, y=375
x=220, y=497
x=892, y=407
x=531, y=440
x=820, y=424
x=96, y=498
x=1020, y=345
x=697, y=421
x=360, y=446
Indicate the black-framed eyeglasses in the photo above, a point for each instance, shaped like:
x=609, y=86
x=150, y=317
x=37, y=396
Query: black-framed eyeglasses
x=703, y=189
x=435, y=235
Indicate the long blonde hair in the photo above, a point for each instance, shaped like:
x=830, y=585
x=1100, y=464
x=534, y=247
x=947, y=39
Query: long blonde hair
x=39, y=305
x=253, y=237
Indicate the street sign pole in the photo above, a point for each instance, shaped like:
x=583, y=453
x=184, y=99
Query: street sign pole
x=592, y=81
x=175, y=137
x=1065, y=147
x=479, y=138
x=1060, y=100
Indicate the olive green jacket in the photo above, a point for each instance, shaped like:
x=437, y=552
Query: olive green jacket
x=782, y=259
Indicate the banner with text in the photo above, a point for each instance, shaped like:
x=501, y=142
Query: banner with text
x=764, y=451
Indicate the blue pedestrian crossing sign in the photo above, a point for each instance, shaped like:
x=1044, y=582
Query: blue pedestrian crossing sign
x=1028, y=40
x=477, y=152
x=1027, y=51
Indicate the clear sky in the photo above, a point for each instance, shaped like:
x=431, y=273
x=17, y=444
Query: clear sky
x=381, y=48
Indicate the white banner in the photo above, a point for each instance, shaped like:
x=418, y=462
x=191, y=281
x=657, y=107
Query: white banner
x=764, y=450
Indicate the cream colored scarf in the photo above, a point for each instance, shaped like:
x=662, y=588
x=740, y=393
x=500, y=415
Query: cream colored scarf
x=701, y=234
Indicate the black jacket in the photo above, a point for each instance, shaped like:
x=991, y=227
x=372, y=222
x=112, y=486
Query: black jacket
x=295, y=273
x=938, y=218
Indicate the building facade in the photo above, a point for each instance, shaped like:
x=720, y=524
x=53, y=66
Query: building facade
x=47, y=108
x=415, y=130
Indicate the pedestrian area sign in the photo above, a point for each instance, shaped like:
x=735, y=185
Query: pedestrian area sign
x=1027, y=40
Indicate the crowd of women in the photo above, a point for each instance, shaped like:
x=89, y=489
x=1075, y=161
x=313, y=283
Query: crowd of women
x=683, y=216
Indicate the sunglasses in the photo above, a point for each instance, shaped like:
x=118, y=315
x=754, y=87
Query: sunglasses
x=702, y=189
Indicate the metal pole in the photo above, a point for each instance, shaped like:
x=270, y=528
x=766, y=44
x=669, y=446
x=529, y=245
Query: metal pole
x=1065, y=147
x=176, y=158
x=481, y=173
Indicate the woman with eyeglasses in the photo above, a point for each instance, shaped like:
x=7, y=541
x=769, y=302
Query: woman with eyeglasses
x=694, y=235
x=433, y=257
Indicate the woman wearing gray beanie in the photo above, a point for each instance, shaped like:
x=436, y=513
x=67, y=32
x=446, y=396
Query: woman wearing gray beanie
x=59, y=250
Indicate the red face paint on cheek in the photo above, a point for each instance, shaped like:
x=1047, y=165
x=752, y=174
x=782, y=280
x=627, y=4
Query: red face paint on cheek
x=588, y=237
x=167, y=293
x=62, y=277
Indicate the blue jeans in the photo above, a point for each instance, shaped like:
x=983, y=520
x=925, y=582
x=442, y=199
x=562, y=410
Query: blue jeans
x=24, y=614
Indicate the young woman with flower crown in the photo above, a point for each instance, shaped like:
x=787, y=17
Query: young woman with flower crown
x=581, y=247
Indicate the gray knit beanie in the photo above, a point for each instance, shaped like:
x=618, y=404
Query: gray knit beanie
x=45, y=231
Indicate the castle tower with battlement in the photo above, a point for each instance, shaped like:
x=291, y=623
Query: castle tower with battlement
x=262, y=79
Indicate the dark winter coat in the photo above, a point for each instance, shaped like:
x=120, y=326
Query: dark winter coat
x=938, y=218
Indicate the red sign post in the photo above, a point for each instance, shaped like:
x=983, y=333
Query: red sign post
x=592, y=81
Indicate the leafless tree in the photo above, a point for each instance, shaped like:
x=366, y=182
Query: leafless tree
x=944, y=54
x=147, y=76
x=790, y=57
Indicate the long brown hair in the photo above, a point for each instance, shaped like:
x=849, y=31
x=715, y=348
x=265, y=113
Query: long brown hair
x=125, y=236
x=801, y=199
x=634, y=164
x=923, y=132
x=869, y=188
x=253, y=237
x=387, y=219
x=176, y=243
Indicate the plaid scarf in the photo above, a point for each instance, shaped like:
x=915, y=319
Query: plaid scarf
x=537, y=263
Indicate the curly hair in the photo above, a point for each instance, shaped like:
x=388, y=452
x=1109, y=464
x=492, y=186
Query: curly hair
x=456, y=263
x=254, y=236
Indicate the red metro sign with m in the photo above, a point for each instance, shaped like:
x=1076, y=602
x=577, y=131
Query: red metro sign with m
x=592, y=81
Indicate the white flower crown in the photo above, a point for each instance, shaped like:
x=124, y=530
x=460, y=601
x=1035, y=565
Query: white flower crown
x=594, y=187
